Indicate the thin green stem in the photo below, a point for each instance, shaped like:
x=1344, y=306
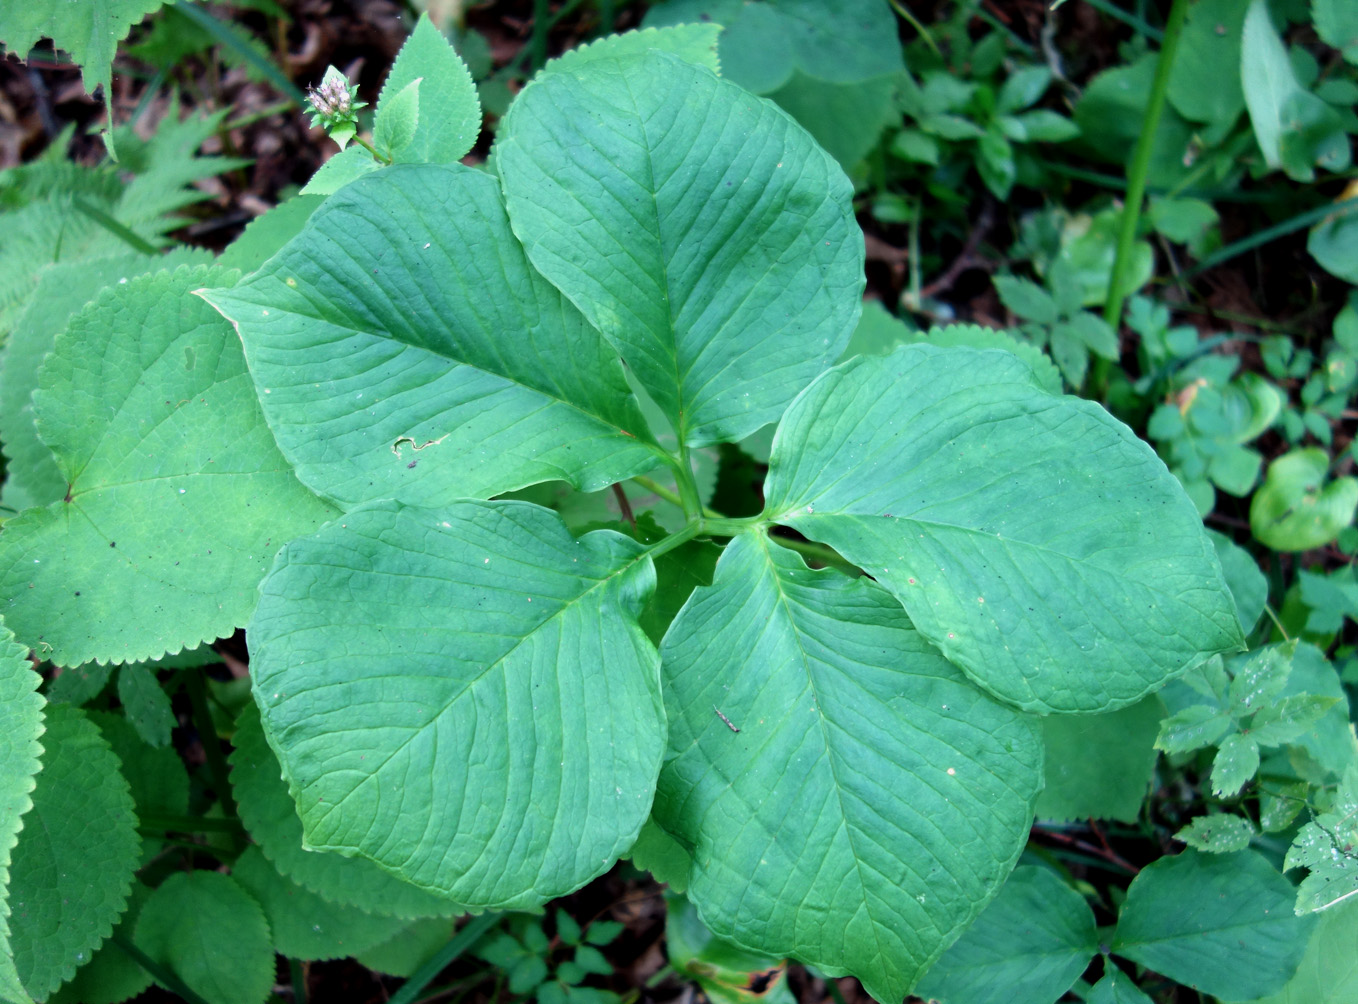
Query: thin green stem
x=656, y=488
x=196, y=685
x=1141, y=165
x=298, y=976
x=159, y=973
x=542, y=24
x=689, y=499
x=1262, y=237
x=674, y=540
x=464, y=939
x=914, y=22
x=372, y=150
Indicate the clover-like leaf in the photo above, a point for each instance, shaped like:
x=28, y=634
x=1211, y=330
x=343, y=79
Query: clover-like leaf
x=486, y=666
x=699, y=228
x=821, y=752
x=1032, y=538
x=404, y=348
x=177, y=497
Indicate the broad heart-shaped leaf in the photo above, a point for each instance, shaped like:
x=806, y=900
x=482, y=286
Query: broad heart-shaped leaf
x=21, y=723
x=1220, y=923
x=463, y=695
x=698, y=227
x=1028, y=947
x=872, y=800
x=271, y=819
x=1032, y=538
x=177, y=497
x=404, y=348
x=74, y=862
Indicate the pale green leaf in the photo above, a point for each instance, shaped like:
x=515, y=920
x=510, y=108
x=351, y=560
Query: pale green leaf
x=1330, y=741
x=31, y=473
x=1328, y=973
x=146, y=704
x=90, y=31
x=21, y=723
x=1237, y=761
x=1279, y=804
x=1219, y=833
x=1336, y=23
x=265, y=234
x=177, y=496
x=1248, y=586
x=821, y=752
x=1099, y=765
x=397, y=118
x=301, y=923
x=1222, y=924
x=1028, y=947
x=526, y=751
x=67, y=889
x=1116, y=987
x=699, y=229
x=724, y=971
x=1298, y=507
x=1193, y=728
x=271, y=819
x=404, y=348
x=976, y=337
x=1033, y=538
x=350, y=164
x=211, y=933
x=449, y=111
x=695, y=43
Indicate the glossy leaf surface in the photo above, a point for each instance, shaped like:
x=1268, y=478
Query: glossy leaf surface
x=700, y=229
x=404, y=348
x=872, y=800
x=1032, y=538
x=513, y=755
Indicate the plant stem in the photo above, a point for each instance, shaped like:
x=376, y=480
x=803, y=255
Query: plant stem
x=372, y=150
x=1136, y=179
x=195, y=684
x=537, y=44
x=656, y=488
x=817, y=552
x=1261, y=237
x=722, y=526
x=298, y=977
x=689, y=499
x=463, y=940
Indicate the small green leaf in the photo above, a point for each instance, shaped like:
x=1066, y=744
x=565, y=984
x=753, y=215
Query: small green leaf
x=1259, y=678
x=1046, y=126
x=665, y=213
x=1218, y=834
x=1192, y=729
x=66, y=889
x=941, y=472
x=449, y=114
x=398, y=116
x=147, y=706
x=304, y=926
x=1279, y=804
x=1337, y=24
x=1099, y=766
x=821, y=751
x=1236, y=762
x=1297, y=507
x=78, y=685
x=1182, y=220
x=350, y=164
x=1022, y=88
x=1328, y=847
x=177, y=495
x=567, y=928
x=1205, y=85
x=1026, y=299
x=504, y=804
x=1334, y=243
x=21, y=723
x=1028, y=947
x=1287, y=719
x=271, y=819
x=211, y=933
x=156, y=775
x=407, y=388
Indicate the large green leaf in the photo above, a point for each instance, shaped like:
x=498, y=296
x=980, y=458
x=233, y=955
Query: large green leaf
x=1328, y=973
x=1220, y=923
x=177, y=497
x=20, y=726
x=404, y=348
x=73, y=865
x=698, y=227
x=271, y=819
x=1205, y=85
x=1032, y=538
x=1028, y=947
x=1099, y=765
x=847, y=796
x=524, y=727
x=90, y=30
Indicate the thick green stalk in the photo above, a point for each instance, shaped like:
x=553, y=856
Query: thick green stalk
x=1136, y=176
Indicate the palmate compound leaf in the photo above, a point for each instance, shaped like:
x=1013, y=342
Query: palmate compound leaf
x=74, y=862
x=404, y=348
x=463, y=695
x=177, y=496
x=699, y=228
x=21, y=723
x=873, y=799
x=1032, y=538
